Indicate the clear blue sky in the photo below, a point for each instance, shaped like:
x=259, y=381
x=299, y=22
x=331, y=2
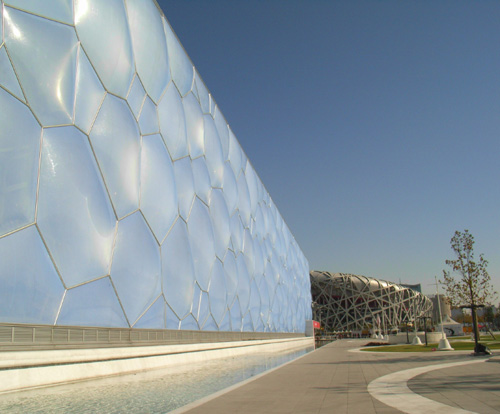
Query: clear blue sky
x=374, y=125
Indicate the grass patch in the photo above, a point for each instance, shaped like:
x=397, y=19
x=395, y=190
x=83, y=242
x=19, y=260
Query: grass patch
x=457, y=345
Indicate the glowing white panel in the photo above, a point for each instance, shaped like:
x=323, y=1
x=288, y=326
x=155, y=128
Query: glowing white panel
x=201, y=238
x=185, y=186
x=44, y=55
x=210, y=324
x=204, y=309
x=61, y=10
x=213, y=152
x=136, y=97
x=230, y=187
x=212, y=105
x=189, y=324
x=253, y=187
x=8, y=78
x=247, y=323
x=243, y=284
x=231, y=275
x=74, y=213
x=249, y=252
x=223, y=130
x=202, y=93
x=201, y=179
x=173, y=123
x=105, y=309
x=158, y=188
x=150, y=47
x=236, y=317
x=31, y=289
x=89, y=93
x=235, y=154
x=154, y=318
x=225, y=325
x=103, y=30
x=19, y=153
x=178, y=270
x=172, y=321
x=237, y=233
x=194, y=126
x=255, y=307
x=136, y=266
x=221, y=223
x=244, y=200
x=180, y=64
x=148, y=120
x=116, y=142
x=217, y=292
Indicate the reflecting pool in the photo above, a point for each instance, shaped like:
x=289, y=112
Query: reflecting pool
x=156, y=391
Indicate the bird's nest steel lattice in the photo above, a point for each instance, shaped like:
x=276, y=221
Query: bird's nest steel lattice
x=346, y=302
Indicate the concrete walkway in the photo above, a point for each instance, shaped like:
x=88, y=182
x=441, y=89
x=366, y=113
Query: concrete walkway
x=335, y=379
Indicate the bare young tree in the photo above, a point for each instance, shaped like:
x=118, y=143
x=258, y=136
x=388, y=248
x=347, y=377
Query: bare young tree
x=472, y=288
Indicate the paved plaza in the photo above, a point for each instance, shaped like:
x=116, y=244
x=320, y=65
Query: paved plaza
x=339, y=379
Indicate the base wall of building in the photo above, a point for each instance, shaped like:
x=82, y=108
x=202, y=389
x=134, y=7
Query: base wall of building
x=34, y=369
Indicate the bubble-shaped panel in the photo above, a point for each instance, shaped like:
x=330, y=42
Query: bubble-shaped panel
x=180, y=64
x=236, y=317
x=31, y=289
x=177, y=270
x=237, y=233
x=136, y=266
x=210, y=324
x=150, y=47
x=201, y=179
x=244, y=200
x=172, y=321
x=243, y=284
x=8, y=78
x=158, y=188
x=148, y=120
x=231, y=275
x=185, y=186
x=235, y=154
x=44, y=55
x=202, y=93
x=74, y=213
x=189, y=324
x=103, y=30
x=19, y=153
x=213, y=152
x=136, y=97
x=204, y=309
x=217, y=292
x=173, y=123
x=89, y=93
x=154, y=317
x=230, y=188
x=221, y=223
x=201, y=238
x=105, y=310
x=194, y=126
x=116, y=142
x=61, y=10
x=223, y=131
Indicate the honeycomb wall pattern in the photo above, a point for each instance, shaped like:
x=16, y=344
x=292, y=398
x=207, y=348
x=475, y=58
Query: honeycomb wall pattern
x=345, y=302
x=125, y=198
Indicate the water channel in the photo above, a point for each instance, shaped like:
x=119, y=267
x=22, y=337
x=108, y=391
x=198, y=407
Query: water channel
x=156, y=391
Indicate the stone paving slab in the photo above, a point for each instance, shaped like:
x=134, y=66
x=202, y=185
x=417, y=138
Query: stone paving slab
x=333, y=379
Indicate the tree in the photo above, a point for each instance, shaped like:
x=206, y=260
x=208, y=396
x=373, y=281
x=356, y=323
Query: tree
x=472, y=287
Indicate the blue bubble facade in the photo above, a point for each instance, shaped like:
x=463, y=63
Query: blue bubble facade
x=125, y=198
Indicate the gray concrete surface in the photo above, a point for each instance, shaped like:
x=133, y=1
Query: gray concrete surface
x=334, y=379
